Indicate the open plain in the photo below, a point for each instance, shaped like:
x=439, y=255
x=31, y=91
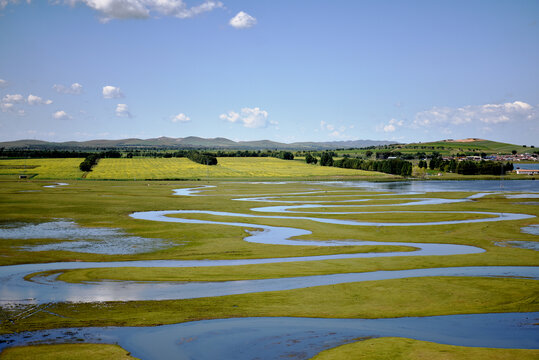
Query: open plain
x=222, y=237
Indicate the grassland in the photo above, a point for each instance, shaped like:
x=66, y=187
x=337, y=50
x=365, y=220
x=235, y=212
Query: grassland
x=67, y=352
x=108, y=204
x=447, y=148
x=408, y=349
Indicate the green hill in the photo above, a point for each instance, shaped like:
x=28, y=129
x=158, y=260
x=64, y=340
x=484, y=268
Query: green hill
x=450, y=147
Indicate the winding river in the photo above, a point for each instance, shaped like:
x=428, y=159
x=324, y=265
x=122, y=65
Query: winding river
x=46, y=289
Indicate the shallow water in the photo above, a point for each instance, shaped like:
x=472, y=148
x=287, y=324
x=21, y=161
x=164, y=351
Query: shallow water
x=55, y=185
x=94, y=240
x=47, y=289
x=530, y=245
x=299, y=338
x=444, y=185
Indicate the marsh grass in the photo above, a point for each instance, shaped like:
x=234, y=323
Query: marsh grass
x=427, y=296
x=109, y=203
x=391, y=348
x=66, y=352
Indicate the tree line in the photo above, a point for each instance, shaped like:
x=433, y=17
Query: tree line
x=467, y=167
x=390, y=166
x=202, y=158
x=92, y=159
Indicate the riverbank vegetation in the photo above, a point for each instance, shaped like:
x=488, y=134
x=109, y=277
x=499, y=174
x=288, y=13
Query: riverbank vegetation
x=109, y=203
x=408, y=349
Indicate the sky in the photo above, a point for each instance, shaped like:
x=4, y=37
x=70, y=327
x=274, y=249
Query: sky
x=281, y=70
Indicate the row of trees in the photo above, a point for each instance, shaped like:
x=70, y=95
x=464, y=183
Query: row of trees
x=89, y=162
x=202, y=158
x=483, y=168
x=467, y=167
x=93, y=158
x=390, y=166
x=41, y=154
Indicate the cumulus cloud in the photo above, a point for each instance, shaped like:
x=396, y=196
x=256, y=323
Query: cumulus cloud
x=3, y=83
x=13, y=98
x=36, y=100
x=142, y=9
x=249, y=117
x=74, y=89
x=4, y=3
x=112, y=92
x=242, y=20
x=488, y=114
x=61, y=115
x=7, y=104
x=181, y=117
x=335, y=131
x=122, y=110
x=392, y=125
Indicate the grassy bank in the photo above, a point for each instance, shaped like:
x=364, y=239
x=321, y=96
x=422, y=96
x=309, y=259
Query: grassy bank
x=408, y=349
x=67, y=352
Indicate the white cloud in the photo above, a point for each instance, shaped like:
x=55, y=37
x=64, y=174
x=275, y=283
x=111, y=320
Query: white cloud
x=249, y=117
x=6, y=106
x=13, y=98
x=61, y=115
x=231, y=116
x=142, y=9
x=74, y=89
x=325, y=126
x=335, y=131
x=3, y=83
x=112, y=92
x=392, y=125
x=181, y=117
x=389, y=128
x=242, y=20
x=488, y=114
x=4, y=3
x=122, y=110
x=36, y=100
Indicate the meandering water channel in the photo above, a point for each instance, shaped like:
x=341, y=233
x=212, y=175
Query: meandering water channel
x=45, y=289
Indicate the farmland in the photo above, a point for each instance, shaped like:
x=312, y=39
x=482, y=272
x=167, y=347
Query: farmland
x=176, y=168
x=42, y=168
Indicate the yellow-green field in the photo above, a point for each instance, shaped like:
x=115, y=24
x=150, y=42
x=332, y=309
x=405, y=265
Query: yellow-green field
x=176, y=168
x=44, y=168
x=182, y=168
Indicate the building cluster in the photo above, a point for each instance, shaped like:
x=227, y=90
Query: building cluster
x=496, y=157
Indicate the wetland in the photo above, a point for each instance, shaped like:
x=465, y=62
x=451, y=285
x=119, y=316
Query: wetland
x=93, y=254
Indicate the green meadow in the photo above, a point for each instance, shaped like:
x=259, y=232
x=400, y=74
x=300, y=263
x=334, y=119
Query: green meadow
x=107, y=204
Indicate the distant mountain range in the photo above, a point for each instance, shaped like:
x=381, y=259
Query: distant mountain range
x=193, y=142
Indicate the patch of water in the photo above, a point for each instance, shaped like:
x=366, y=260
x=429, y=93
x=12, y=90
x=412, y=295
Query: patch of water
x=522, y=196
x=300, y=338
x=530, y=245
x=48, y=289
x=108, y=241
x=55, y=185
x=192, y=191
x=532, y=229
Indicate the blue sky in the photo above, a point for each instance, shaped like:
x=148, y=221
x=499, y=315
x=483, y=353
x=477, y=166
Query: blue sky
x=270, y=69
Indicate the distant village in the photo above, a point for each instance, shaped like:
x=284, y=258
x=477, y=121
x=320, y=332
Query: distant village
x=496, y=157
x=520, y=161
